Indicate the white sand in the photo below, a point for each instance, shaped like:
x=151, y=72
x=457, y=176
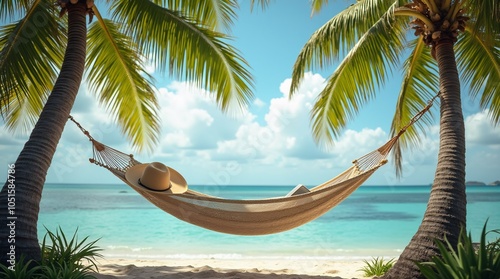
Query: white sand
x=229, y=269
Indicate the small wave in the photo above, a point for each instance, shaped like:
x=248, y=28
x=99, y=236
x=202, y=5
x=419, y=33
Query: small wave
x=127, y=248
x=235, y=256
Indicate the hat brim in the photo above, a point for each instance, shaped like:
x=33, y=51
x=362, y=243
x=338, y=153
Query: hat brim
x=178, y=184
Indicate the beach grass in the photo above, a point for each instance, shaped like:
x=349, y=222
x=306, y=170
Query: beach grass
x=466, y=260
x=61, y=258
x=377, y=267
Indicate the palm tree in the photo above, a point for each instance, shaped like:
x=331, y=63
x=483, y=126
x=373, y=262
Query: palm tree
x=451, y=37
x=38, y=83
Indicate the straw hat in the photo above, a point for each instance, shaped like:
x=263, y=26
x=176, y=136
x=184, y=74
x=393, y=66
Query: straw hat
x=156, y=177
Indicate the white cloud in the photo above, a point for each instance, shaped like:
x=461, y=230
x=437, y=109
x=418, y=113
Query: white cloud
x=285, y=135
x=177, y=139
x=190, y=118
x=480, y=130
x=353, y=144
x=259, y=103
x=483, y=144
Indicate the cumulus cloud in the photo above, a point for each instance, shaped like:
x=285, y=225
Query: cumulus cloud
x=190, y=118
x=480, y=131
x=285, y=133
x=282, y=140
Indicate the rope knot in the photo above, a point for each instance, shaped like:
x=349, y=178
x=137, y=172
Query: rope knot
x=98, y=146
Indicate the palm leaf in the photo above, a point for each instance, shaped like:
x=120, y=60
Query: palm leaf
x=214, y=14
x=30, y=56
x=354, y=82
x=338, y=35
x=418, y=87
x=262, y=3
x=479, y=65
x=23, y=111
x=188, y=50
x=118, y=78
x=317, y=5
x=10, y=8
x=486, y=15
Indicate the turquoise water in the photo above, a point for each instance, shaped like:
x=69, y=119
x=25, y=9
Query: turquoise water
x=373, y=221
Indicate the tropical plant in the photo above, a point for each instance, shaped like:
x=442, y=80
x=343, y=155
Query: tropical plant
x=64, y=271
x=464, y=260
x=21, y=270
x=377, y=267
x=370, y=37
x=58, y=251
x=61, y=258
x=495, y=244
x=38, y=83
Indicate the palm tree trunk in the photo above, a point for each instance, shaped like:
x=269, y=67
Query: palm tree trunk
x=446, y=209
x=18, y=220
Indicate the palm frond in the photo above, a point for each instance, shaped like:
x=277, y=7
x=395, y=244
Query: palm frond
x=479, y=64
x=30, y=55
x=262, y=3
x=188, y=51
x=418, y=87
x=338, y=35
x=355, y=81
x=11, y=8
x=212, y=14
x=486, y=15
x=118, y=78
x=317, y=5
x=23, y=111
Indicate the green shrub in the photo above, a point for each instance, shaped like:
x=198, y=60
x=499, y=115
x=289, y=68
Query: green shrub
x=465, y=261
x=377, y=267
x=73, y=253
x=62, y=258
x=64, y=271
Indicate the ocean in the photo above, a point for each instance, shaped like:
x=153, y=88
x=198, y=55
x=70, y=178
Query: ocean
x=375, y=221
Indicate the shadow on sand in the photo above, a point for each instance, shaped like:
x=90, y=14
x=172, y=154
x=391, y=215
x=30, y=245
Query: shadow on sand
x=206, y=272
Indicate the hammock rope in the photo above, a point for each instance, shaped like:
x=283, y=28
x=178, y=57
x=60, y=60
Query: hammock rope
x=253, y=217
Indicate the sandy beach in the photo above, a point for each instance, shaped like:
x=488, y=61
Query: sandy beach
x=229, y=269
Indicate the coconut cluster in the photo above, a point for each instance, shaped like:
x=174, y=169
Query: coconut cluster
x=446, y=21
x=64, y=4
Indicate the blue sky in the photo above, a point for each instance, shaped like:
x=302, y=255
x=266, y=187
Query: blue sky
x=271, y=143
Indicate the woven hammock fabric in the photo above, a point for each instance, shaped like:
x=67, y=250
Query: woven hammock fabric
x=250, y=217
x=254, y=217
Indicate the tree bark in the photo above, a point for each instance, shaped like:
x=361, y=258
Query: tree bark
x=18, y=219
x=446, y=208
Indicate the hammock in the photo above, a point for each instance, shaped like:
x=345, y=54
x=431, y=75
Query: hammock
x=253, y=217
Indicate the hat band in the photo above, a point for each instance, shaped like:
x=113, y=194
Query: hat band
x=156, y=190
